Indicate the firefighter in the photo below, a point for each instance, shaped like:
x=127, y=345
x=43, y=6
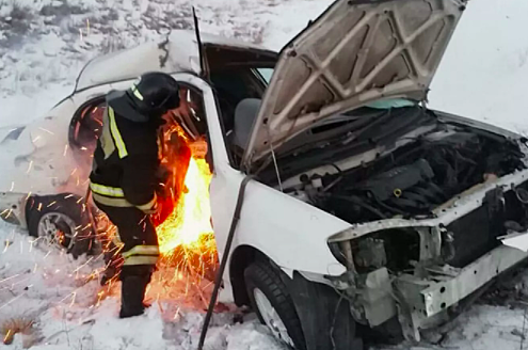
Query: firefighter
x=124, y=178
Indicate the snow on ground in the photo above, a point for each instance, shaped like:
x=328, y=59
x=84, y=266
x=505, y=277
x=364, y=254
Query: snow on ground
x=44, y=44
x=62, y=298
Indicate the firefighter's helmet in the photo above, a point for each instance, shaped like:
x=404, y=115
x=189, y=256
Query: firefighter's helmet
x=155, y=93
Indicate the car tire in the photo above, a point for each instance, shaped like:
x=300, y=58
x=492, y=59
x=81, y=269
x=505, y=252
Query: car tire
x=271, y=301
x=61, y=220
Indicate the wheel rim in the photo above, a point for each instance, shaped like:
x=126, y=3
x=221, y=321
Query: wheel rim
x=57, y=229
x=271, y=317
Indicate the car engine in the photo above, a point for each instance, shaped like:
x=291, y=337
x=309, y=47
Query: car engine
x=416, y=178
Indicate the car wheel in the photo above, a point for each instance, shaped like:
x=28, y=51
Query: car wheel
x=271, y=301
x=60, y=221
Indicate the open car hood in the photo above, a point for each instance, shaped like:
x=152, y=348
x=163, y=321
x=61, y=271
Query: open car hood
x=356, y=52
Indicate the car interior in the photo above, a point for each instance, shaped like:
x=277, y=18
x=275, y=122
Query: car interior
x=237, y=75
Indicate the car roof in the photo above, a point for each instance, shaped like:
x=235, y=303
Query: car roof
x=179, y=52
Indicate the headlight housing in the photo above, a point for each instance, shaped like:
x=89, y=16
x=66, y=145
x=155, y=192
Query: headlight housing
x=394, y=249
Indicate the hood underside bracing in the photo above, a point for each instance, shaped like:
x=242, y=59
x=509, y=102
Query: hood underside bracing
x=354, y=53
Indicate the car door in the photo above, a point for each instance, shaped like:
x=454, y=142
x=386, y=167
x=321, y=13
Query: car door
x=226, y=180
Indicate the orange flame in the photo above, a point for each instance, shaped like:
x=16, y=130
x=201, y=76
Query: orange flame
x=190, y=221
x=186, y=237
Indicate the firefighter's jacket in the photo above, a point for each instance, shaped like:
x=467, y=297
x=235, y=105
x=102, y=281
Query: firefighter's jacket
x=126, y=158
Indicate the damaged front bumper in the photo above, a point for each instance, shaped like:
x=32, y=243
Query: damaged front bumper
x=460, y=251
x=423, y=304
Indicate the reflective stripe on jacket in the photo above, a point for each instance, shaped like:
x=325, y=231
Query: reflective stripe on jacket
x=126, y=161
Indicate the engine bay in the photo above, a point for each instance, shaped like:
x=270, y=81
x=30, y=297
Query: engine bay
x=416, y=178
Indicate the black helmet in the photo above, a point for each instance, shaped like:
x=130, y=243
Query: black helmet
x=155, y=92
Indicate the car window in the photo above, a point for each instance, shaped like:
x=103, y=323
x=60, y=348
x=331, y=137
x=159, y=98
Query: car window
x=86, y=124
x=232, y=86
x=266, y=74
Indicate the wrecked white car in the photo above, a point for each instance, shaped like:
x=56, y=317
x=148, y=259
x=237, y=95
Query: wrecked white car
x=353, y=204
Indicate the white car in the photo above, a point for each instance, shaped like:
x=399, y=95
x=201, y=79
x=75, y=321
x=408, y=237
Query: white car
x=352, y=203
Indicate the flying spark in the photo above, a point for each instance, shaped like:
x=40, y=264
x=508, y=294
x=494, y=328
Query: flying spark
x=12, y=301
x=9, y=278
x=29, y=167
x=8, y=336
x=46, y=130
x=9, y=212
x=7, y=245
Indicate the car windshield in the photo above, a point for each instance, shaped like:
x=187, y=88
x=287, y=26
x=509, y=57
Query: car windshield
x=266, y=74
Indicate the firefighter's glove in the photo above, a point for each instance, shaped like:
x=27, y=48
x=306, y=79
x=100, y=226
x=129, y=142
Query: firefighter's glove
x=163, y=174
x=151, y=207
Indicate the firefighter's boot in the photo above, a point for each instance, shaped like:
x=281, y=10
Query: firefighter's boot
x=132, y=294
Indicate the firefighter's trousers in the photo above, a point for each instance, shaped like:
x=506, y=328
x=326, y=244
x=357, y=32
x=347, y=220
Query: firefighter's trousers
x=139, y=254
x=138, y=235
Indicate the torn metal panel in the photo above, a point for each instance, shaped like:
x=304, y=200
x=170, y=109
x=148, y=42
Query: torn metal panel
x=428, y=300
x=13, y=208
x=376, y=297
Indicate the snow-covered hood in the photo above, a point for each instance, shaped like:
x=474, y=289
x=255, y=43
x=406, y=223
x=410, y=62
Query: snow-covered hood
x=356, y=52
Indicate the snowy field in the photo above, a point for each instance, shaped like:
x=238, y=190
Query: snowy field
x=55, y=301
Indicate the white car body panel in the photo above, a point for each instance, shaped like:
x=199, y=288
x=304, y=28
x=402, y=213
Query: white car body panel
x=266, y=224
x=36, y=159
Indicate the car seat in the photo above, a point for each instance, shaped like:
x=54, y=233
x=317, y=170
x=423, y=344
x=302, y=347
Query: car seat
x=246, y=114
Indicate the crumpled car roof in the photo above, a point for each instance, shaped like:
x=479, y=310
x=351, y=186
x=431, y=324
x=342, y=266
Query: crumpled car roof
x=178, y=53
